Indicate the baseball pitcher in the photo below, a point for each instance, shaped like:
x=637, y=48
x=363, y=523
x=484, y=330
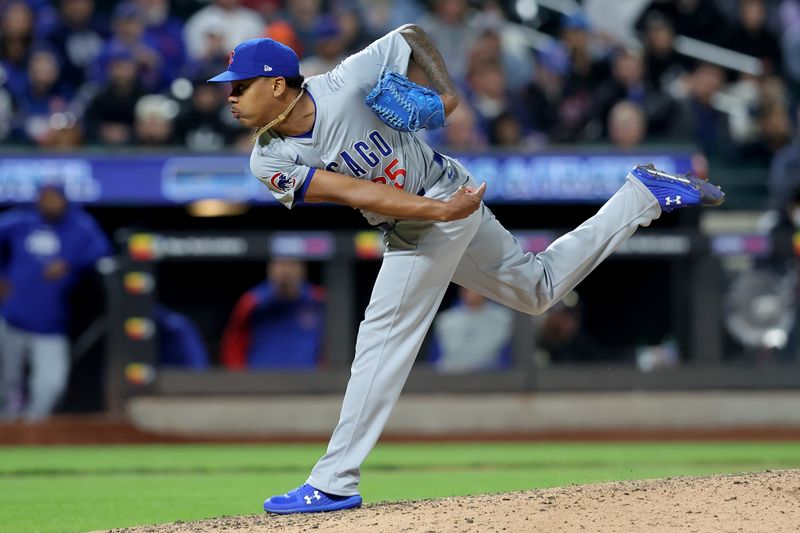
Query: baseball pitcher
x=348, y=137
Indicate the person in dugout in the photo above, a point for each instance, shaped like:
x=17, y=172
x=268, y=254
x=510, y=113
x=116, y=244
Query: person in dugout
x=278, y=324
x=45, y=250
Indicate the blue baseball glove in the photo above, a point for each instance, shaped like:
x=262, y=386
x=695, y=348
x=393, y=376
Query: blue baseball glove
x=404, y=105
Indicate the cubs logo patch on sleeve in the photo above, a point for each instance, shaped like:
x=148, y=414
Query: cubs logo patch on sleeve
x=281, y=182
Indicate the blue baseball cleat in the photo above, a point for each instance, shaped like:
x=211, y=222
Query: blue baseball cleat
x=674, y=192
x=307, y=499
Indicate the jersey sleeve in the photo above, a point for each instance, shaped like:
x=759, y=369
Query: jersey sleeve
x=365, y=67
x=286, y=177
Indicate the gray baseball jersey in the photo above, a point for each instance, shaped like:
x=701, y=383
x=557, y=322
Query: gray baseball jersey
x=421, y=257
x=347, y=136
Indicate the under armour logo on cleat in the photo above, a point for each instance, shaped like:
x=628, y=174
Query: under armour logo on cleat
x=309, y=497
x=670, y=201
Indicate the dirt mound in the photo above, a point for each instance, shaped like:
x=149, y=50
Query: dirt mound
x=767, y=502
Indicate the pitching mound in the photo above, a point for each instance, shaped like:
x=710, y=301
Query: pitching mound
x=766, y=502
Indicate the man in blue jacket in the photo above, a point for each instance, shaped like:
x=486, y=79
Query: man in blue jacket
x=278, y=324
x=46, y=249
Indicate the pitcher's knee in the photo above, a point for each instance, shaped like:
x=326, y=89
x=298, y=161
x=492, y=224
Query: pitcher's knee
x=538, y=310
x=533, y=305
x=537, y=303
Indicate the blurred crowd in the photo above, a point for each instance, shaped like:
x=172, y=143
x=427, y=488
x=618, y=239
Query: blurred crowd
x=77, y=73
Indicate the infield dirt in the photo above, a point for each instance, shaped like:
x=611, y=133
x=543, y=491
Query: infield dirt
x=767, y=502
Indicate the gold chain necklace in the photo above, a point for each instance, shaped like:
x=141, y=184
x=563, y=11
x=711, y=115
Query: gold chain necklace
x=279, y=118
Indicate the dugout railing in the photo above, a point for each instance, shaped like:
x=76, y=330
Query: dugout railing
x=132, y=288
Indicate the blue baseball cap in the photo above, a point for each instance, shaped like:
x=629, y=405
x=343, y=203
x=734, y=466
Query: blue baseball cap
x=327, y=28
x=260, y=57
x=575, y=21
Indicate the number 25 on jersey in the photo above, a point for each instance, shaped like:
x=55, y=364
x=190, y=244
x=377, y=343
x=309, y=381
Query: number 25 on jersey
x=391, y=174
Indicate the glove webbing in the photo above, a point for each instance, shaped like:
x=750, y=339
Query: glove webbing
x=392, y=117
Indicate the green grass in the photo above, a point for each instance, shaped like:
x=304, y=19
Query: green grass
x=65, y=489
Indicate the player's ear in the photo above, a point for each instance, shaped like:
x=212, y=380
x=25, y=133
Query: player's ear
x=278, y=86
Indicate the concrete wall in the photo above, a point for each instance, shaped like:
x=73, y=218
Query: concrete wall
x=443, y=415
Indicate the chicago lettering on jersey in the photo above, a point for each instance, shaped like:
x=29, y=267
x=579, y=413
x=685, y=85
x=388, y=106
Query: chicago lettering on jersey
x=366, y=152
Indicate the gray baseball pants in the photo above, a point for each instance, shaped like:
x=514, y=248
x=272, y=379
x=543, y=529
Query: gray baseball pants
x=421, y=259
x=49, y=360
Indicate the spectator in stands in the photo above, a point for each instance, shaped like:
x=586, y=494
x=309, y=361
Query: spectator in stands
x=789, y=14
x=109, y=115
x=449, y=27
x=585, y=72
x=382, y=16
x=557, y=102
x=462, y=134
x=64, y=133
x=475, y=334
x=351, y=20
x=303, y=16
x=576, y=34
x=128, y=32
x=282, y=31
x=278, y=324
x=16, y=39
x=204, y=124
x=165, y=33
x=663, y=65
x=784, y=171
x=506, y=131
x=627, y=126
x=329, y=48
x=45, y=95
x=750, y=35
x=487, y=93
x=628, y=82
x=699, y=19
x=489, y=48
x=774, y=126
x=541, y=99
x=506, y=42
x=696, y=120
x=267, y=9
x=47, y=249
x=153, y=120
x=80, y=35
x=751, y=100
x=226, y=19
x=46, y=16
x=215, y=53
x=180, y=345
